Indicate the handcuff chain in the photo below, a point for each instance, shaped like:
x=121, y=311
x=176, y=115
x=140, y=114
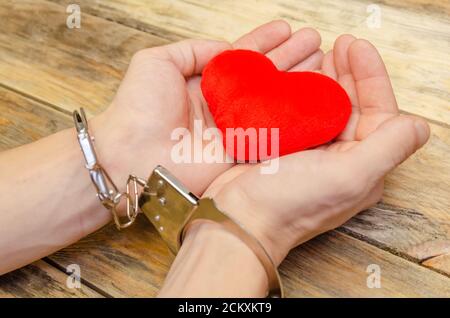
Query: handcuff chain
x=113, y=199
x=107, y=191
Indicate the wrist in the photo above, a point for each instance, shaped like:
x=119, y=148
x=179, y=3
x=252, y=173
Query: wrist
x=109, y=172
x=214, y=263
x=112, y=146
x=234, y=202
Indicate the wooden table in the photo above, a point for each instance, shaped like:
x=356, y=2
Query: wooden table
x=47, y=70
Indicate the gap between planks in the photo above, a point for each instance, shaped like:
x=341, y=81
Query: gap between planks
x=86, y=282
x=391, y=250
x=36, y=99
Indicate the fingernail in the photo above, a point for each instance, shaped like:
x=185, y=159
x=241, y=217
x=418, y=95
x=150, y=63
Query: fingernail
x=423, y=130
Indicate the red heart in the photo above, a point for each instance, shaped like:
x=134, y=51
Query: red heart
x=245, y=89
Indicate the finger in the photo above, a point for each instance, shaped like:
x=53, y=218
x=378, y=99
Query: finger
x=390, y=144
x=298, y=47
x=265, y=37
x=342, y=65
x=311, y=63
x=346, y=80
x=328, y=67
x=374, y=90
x=189, y=56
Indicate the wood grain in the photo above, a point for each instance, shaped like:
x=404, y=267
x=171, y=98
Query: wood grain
x=440, y=263
x=404, y=232
x=60, y=69
x=434, y=7
x=130, y=263
x=336, y=265
x=40, y=279
x=67, y=68
x=135, y=262
x=413, y=41
x=23, y=120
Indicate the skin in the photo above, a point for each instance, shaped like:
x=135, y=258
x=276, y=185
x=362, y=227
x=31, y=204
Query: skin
x=313, y=191
x=341, y=178
x=160, y=92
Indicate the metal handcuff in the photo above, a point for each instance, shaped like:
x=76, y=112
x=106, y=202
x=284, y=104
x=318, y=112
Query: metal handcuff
x=167, y=204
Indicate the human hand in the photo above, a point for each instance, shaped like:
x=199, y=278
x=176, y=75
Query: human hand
x=161, y=92
x=318, y=190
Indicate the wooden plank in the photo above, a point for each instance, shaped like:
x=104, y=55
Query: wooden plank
x=40, y=280
x=406, y=232
x=23, y=120
x=336, y=265
x=439, y=7
x=440, y=263
x=413, y=38
x=67, y=68
x=134, y=264
x=130, y=263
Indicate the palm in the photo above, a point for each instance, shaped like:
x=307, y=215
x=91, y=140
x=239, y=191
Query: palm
x=319, y=189
x=164, y=88
x=357, y=66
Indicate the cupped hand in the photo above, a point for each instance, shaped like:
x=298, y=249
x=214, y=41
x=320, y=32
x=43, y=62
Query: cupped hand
x=161, y=93
x=317, y=190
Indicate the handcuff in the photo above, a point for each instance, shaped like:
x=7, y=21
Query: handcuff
x=167, y=204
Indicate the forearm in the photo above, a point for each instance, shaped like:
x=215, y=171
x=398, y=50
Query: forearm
x=214, y=263
x=47, y=199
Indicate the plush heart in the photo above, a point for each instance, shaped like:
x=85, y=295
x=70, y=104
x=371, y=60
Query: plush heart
x=244, y=89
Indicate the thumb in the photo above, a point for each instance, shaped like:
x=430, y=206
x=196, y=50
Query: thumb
x=189, y=56
x=391, y=143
